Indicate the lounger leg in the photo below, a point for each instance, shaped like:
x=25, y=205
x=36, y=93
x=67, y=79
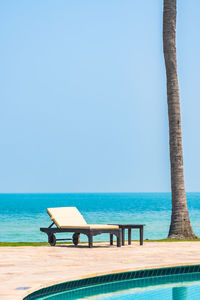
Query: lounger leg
x=90, y=240
x=141, y=236
x=129, y=236
x=119, y=238
x=111, y=239
x=123, y=236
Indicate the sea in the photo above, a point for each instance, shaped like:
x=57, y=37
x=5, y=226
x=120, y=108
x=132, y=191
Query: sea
x=22, y=215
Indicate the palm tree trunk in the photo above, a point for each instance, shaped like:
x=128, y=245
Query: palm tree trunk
x=180, y=223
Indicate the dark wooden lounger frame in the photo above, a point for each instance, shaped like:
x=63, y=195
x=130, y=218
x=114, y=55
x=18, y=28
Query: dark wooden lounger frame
x=51, y=231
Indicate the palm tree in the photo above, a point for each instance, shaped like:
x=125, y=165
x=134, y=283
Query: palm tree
x=180, y=223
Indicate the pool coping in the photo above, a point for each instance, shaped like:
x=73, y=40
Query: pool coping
x=115, y=275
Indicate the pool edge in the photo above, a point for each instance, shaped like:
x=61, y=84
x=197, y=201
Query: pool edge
x=117, y=274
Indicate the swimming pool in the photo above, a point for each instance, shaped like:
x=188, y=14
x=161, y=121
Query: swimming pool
x=176, y=283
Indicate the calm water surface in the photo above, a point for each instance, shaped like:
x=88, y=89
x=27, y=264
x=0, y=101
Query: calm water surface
x=21, y=215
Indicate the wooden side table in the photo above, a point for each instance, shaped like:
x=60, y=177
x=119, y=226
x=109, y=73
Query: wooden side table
x=129, y=227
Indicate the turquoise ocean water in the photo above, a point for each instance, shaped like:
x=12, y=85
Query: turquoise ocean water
x=21, y=215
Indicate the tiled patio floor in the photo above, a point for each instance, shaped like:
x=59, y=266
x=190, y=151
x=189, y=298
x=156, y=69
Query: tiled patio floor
x=32, y=267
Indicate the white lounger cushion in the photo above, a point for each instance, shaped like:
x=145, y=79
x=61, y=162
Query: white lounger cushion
x=66, y=216
x=89, y=226
x=70, y=217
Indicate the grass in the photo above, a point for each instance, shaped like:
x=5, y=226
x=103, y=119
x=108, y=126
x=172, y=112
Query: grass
x=18, y=244
x=173, y=240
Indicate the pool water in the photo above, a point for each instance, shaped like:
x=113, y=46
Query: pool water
x=171, y=293
x=169, y=287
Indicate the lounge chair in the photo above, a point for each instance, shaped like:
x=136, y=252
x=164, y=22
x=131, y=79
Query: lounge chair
x=69, y=219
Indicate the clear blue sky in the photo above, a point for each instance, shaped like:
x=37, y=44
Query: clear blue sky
x=83, y=96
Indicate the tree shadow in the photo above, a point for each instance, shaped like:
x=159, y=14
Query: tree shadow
x=179, y=293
